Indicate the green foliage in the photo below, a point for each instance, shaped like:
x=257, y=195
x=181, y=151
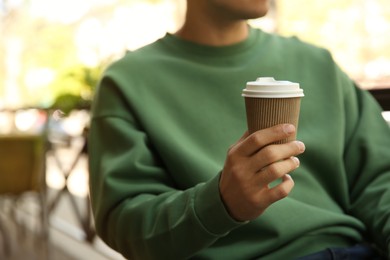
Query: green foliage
x=75, y=87
x=78, y=80
x=68, y=102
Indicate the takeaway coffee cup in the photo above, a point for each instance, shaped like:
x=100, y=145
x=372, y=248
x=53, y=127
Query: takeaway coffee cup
x=270, y=102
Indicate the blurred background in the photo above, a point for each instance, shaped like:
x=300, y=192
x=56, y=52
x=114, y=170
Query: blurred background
x=52, y=53
x=50, y=48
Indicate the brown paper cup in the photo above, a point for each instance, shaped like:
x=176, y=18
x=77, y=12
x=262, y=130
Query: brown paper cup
x=266, y=112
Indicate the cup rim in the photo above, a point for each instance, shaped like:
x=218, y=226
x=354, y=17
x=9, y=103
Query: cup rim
x=268, y=94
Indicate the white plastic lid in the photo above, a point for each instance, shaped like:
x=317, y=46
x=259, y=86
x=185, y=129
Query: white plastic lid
x=268, y=87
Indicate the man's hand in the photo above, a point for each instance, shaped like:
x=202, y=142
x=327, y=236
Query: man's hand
x=252, y=164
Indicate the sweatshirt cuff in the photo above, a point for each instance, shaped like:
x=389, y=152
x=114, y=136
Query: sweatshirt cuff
x=211, y=211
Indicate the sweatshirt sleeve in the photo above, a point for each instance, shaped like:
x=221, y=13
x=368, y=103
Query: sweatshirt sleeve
x=138, y=209
x=367, y=162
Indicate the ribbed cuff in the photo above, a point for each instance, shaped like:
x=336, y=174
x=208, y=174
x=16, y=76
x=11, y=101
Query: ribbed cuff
x=211, y=211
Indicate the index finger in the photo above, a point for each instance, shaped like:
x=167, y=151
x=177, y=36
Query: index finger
x=259, y=139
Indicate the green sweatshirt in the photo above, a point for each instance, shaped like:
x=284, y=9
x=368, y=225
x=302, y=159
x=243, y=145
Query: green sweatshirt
x=163, y=119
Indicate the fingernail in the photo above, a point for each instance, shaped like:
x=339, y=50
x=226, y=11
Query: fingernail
x=296, y=161
x=301, y=146
x=288, y=129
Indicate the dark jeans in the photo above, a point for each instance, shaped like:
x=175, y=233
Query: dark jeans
x=358, y=252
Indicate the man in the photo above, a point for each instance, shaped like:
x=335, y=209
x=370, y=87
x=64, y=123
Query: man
x=169, y=180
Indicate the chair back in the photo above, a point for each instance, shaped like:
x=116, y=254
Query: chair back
x=22, y=163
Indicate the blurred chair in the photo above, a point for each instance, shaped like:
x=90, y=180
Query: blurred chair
x=22, y=175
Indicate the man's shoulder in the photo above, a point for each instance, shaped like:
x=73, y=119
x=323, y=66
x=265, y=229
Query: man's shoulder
x=143, y=54
x=292, y=43
x=135, y=63
x=293, y=50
